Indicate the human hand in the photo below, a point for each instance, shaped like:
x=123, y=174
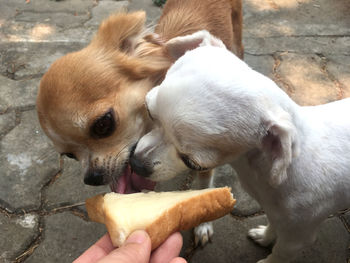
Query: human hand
x=137, y=249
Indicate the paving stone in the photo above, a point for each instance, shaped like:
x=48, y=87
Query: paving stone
x=332, y=45
x=36, y=21
x=296, y=18
x=27, y=161
x=17, y=234
x=331, y=244
x=230, y=242
x=7, y=122
x=104, y=9
x=20, y=93
x=339, y=67
x=153, y=12
x=57, y=20
x=66, y=237
x=308, y=84
x=8, y=10
x=346, y=217
x=69, y=188
x=188, y=243
x=28, y=60
x=262, y=64
x=44, y=6
x=17, y=32
x=245, y=205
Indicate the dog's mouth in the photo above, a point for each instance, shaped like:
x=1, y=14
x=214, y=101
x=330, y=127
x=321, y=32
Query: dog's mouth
x=129, y=182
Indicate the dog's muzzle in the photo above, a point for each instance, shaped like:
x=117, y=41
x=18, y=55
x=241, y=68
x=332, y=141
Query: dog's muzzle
x=140, y=167
x=95, y=177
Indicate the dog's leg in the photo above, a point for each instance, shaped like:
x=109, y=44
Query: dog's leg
x=289, y=243
x=263, y=235
x=203, y=232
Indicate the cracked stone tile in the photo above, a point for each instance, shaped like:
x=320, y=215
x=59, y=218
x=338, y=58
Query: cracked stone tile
x=41, y=20
x=7, y=121
x=25, y=32
x=69, y=188
x=19, y=231
x=230, y=243
x=21, y=93
x=262, y=64
x=66, y=237
x=43, y=6
x=7, y=11
x=298, y=44
x=339, y=67
x=331, y=244
x=104, y=9
x=245, y=205
x=153, y=12
x=309, y=85
x=346, y=217
x=292, y=18
x=23, y=60
x=28, y=160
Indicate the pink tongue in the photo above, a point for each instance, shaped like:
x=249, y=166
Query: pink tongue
x=131, y=183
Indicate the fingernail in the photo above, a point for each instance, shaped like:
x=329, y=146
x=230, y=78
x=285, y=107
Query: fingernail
x=139, y=236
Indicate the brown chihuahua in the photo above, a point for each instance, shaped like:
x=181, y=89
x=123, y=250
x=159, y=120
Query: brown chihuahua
x=91, y=102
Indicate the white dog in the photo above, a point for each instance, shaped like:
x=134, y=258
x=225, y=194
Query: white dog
x=213, y=109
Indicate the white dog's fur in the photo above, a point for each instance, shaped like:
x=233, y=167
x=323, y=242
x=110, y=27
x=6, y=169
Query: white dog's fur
x=295, y=161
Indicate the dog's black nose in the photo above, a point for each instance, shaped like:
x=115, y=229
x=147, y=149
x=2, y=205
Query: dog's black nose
x=95, y=177
x=139, y=167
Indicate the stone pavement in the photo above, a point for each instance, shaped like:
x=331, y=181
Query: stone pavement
x=304, y=45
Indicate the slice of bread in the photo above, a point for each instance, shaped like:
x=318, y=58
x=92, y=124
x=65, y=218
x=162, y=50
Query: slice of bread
x=160, y=214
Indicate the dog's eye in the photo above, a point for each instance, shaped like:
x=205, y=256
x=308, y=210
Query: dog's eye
x=70, y=155
x=191, y=164
x=104, y=126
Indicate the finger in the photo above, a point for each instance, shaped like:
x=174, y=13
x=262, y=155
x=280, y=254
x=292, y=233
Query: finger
x=97, y=251
x=137, y=249
x=168, y=250
x=178, y=260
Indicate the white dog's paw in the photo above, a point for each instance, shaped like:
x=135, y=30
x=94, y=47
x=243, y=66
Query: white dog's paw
x=260, y=236
x=203, y=233
x=271, y=259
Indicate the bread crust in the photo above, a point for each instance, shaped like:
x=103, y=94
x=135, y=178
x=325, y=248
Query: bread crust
x=94, y=207
x=206, y=206
x=190, y=213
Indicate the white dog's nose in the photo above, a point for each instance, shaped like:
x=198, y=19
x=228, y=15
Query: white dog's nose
x=140, y=167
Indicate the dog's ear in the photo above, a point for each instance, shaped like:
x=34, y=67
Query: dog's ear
x=119, y=31
x=150, y=100
x=280, y=145
x=176, y=47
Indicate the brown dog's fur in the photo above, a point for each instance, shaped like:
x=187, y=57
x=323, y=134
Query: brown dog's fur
x=115, y=71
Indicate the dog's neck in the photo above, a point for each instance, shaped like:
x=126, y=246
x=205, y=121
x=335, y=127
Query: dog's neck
x=278, y=134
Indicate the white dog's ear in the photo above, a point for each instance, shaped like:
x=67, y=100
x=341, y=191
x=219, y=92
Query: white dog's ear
x=150, y=100
x=177, y=46
x=280, y=144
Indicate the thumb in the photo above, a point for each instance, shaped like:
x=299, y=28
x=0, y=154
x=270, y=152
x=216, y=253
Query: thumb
x=136, y=249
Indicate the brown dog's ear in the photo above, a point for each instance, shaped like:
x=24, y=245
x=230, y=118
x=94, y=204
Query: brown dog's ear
x=119, y=31
x=280, y=145
x=178, y=46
